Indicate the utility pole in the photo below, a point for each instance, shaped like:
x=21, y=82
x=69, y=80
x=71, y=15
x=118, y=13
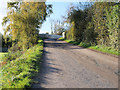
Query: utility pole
x=51, y=20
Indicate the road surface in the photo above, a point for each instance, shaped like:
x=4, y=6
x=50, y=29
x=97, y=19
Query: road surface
x=68, y=66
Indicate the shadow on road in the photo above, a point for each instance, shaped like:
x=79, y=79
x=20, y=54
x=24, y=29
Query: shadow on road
x=52, y=43
x=45, y=69
x=74, y=65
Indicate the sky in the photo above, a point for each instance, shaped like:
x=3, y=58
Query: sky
x=3, y=12
x=59, y=10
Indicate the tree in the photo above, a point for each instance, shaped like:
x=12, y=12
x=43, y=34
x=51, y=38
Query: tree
x=77, y=17
x=0, y=42
x=25, y=20
x=47, y=32
x=59, y=27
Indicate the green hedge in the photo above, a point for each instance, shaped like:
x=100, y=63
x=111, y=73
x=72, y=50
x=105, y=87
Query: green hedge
x=105, y=49
x=101, y=48
x=18, y=73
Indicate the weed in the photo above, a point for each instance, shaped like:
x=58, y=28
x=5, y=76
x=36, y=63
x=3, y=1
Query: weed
x=95, y=47
x=18, y=73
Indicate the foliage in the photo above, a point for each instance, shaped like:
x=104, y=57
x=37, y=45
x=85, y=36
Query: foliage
x=18, y=73
x=11, y=56
x=96, y=24
x=24, y=20
x=105, y=49
x=6, y=42
x=99, y=21
x=96, y=47
x=2, y=55
x=58, y=28
x=61, y=38
x=113, y=23
x=85, y=45
x=77, y=21
x=47, y=32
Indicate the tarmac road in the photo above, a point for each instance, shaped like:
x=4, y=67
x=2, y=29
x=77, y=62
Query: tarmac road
x=68, y=66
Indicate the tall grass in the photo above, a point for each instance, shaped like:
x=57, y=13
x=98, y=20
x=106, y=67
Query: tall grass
x=97, y=47
x=2, y=55
x=18, y=73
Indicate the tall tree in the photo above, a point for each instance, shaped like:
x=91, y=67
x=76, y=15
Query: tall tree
x=58, y=27
x=25, y=19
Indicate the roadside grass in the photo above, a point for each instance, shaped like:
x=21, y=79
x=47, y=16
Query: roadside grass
x=18, y=73
x=105, y=49
x=2, y=55
x=97, y=47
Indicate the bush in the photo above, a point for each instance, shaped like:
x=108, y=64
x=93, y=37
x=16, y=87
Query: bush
x=11, y=56
x=61, y=38
x=105, y=49
x=18, y=73
x=14, y=48
x=85, y=45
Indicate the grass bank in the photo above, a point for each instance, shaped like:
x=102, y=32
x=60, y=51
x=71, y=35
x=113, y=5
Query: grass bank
x=18, y=73
x=97, y=47
x=2, y=55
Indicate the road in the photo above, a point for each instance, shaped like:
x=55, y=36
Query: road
x=68, y=66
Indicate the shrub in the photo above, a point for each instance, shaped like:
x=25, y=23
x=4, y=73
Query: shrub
x=11, y=56
x=85, y=45
x=14, y=48
x=18, y=73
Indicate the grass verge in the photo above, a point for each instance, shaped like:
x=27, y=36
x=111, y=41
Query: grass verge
x=2, y=55
x=97, y=47
x=18, y=73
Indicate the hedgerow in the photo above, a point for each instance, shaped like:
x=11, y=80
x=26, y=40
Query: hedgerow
x=18, y=73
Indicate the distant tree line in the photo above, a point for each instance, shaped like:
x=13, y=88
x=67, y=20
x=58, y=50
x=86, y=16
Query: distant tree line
x=58, y=27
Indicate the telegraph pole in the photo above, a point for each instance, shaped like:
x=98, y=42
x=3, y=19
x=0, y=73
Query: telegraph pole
x=51, y=25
